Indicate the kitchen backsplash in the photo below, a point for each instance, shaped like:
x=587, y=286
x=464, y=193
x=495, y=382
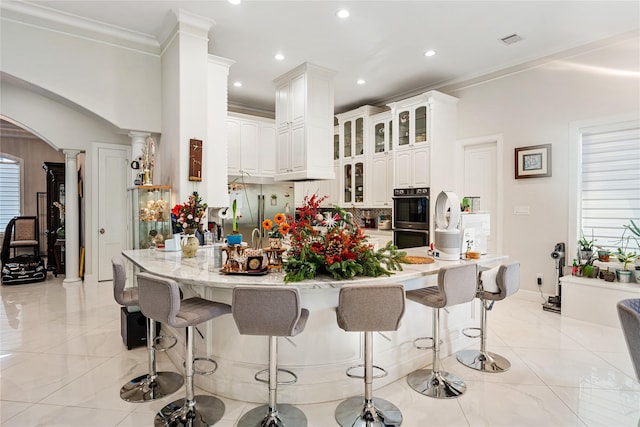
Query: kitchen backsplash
x=359, y=213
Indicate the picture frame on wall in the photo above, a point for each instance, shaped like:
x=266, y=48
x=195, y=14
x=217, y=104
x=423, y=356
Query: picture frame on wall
x=195, y=160
x=533, y=161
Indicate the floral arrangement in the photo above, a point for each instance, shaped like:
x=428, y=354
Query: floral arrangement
x=282, y=228
x=342, y=251
x=191, y=214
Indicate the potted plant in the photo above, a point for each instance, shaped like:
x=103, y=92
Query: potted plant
x=585, y=248
x=190, y=217
x=626, y=258
x=277, y=232
x=588, y=269
x=235, y=238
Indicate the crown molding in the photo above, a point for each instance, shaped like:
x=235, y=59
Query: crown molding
x=66, y=23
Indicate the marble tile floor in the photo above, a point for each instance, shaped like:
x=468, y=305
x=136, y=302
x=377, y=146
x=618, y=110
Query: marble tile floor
x=62, y=363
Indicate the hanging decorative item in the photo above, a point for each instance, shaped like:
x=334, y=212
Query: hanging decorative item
x=148, y=161
x=195, y=160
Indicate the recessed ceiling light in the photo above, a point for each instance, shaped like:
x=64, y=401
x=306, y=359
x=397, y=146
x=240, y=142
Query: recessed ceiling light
x=361, y=81
x=237, y=84
x=342, y=13
x=430, y=52
x=235, y=1
x=279, y=57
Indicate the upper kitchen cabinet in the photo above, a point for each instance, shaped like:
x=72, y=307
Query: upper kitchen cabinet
x=304, y=124
x=353, y=126
x=252, y=146
x=424, y=128
x=380, y=193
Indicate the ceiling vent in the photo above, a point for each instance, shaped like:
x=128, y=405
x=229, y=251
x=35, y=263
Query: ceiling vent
x=513, y=38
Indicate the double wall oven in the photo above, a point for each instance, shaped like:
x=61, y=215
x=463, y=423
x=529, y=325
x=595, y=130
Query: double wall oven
x=410, y=217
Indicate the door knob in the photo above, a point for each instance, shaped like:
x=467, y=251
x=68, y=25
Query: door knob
x=101, y=231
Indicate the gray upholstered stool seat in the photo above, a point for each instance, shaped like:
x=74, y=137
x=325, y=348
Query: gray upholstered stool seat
x=160, y=300
x=273, y=311
x=494, y=285
x=629, y=314
x=456, y=285
x=368, y=309
x=152, y=385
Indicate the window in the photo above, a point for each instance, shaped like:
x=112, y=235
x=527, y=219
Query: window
x=609, y=191
x=9, y=189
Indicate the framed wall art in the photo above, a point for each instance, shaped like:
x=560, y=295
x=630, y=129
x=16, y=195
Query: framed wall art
x=533, y=161
x=195, y=160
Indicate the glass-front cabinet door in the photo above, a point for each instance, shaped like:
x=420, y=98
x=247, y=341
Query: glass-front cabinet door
x=150, y=216
x=359, y=182
x=348, y=182
x=390, y=138
x=404, y=119
x=359, y=137
x=378, y=138
x=420, y=129
x=347, y=139
x=336, y=146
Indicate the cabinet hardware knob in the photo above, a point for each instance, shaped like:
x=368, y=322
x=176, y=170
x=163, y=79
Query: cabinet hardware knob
x=101, y=231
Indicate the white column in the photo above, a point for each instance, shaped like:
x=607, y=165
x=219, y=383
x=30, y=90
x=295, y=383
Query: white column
x=138, y=141
x=72, y=218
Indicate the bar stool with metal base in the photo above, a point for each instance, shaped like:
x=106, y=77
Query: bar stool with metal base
x=153, y=385
x=272, y=311
x=507, y=279
x=456, y=285
x=160, y=299
x=369, y=308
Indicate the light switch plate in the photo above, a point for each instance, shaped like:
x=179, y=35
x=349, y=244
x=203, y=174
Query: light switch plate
x=521, y=210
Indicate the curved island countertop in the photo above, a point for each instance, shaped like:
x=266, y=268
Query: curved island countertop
x=322, y=352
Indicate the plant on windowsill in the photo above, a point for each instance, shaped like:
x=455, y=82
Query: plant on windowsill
x=585, y=247
x=588, y=269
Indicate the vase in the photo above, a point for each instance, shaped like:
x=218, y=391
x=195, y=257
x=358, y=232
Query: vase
x=275, y=242
x=624, y=276
x=189, y=243
x=234, y=239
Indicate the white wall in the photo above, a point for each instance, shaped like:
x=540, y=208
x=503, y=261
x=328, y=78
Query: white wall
x=537, y=107
x=120, y=85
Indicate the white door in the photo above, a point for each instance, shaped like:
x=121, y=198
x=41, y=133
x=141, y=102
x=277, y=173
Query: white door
x=112, y=207
x=481, y=179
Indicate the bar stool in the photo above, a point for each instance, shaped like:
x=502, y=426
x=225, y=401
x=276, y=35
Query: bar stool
x=160, y=299
x=506, y=280
x=153, y=385
x=272, y=311
x=369, y=308
x=456, y=285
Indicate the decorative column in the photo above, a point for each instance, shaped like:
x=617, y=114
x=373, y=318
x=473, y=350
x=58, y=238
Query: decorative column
x=72, y=218
x=138, y=141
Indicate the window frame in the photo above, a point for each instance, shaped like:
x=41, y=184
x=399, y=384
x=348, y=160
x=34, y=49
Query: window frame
x=576, y=130
x=20, y=163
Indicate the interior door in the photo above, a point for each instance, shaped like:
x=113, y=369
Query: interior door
x=480, y=179
x=112, y=207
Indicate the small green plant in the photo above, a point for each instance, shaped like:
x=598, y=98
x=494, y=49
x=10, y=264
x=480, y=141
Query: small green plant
x=626, y=258
x=584, y=244
x=234, y=210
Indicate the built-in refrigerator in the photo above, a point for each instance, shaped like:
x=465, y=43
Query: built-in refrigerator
x=257, y=202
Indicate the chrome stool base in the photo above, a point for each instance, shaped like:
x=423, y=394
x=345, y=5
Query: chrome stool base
x=207, y=411
x=355, y=412
x=142, y=389
x=483, y=361
x=286, y=416
x=440, y=385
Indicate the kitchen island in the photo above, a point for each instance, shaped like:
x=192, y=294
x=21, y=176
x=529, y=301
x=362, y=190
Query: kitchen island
x=322, y=352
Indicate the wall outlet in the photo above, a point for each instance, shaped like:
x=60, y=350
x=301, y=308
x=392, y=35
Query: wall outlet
x=539, y=278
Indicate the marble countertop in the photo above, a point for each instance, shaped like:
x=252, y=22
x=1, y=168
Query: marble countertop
x=200, y=270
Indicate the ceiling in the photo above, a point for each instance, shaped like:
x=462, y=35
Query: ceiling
x=382, y=42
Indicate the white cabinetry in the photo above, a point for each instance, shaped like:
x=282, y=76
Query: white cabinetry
x=304, y=123
x=424, y=128
x=356, y=148
x=381, y=161
x=251, y=146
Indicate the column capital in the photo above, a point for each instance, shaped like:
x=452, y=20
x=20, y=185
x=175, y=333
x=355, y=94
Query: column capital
x=71, y=154
x=137, y=136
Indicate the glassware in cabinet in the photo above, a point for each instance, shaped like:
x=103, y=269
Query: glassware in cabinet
x=420, y=127
x=404, y=119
